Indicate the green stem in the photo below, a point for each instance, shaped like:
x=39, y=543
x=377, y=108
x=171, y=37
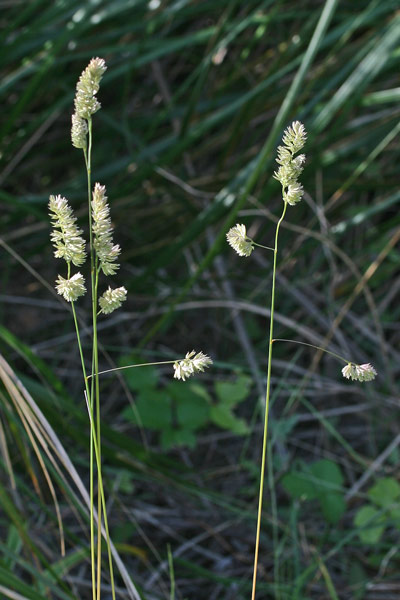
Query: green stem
x=88, y=161
x=261, y=246
x=103, y=502
x=92, y=546
x=164, y=362
x=267, y=396
x=98, y=432
x=95, y=389
x=316, y=347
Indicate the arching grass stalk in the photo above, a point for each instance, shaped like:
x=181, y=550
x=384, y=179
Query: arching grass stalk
x=352, y=370
x=290, y=168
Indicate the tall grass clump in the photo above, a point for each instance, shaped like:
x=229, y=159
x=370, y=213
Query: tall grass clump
x=291, y=165
x=103, y=253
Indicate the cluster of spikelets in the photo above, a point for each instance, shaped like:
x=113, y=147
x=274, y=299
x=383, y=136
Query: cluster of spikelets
x=86, y=102
x=355, y=372
x=66, y=236
x=106, y=251
x=290, y=168
x=191, y=364
x=238, y=239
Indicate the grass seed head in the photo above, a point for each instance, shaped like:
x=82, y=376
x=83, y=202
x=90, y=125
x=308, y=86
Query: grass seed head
x=86, y=103
x=112, y=299
x=237, y=238
x=191, y=364
x=66, y=236
x=71, y=289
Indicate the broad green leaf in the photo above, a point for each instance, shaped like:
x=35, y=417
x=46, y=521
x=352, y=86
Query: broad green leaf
x=192, y=412
x=299, y=485
x=369, y=521
x=192, y=409
x=319, y=481
x=328, y=473
x=333, y=506
x=177, y=437
x=385, y=492
x=222, y=415
x=154, y=408
x=232, y=393
x=328, y=481
x=201, y=391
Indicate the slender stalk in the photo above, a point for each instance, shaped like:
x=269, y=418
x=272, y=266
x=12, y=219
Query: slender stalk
x=88, y=162
x=267, y=396
x=103, y=502
x=164, y=362
x=98, y=432
x=95, y=389
x=261, y=246
x=313, y=346
x=92, y=546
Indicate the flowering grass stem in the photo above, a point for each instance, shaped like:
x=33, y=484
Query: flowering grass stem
x=95, y=429
x=91, y=490
x=267, y=397
x=88, y=162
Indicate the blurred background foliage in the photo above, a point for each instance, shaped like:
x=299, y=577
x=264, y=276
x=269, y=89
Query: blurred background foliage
x=195, y=99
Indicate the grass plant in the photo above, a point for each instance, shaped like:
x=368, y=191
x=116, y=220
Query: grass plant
x=290, y=168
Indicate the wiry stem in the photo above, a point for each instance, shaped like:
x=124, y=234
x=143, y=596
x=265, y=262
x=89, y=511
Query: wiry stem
x=88, y=161
x=338, y=356
x=92, y=546
x=95, y=389
x=164, y=362
x=267, y=396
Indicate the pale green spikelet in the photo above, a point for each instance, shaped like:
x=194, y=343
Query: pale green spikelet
x=86, y=103
x=112, y=299
x=295, y=137
x=191, y=364
x=238, y=240
x=291, y=167
x=293, y=193
x=66, y=236
x=79, y=131
x=106, y=251
x=71, y=289
x=361, y=373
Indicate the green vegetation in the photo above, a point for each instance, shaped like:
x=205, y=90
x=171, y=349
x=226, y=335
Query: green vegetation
x=197, y=95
